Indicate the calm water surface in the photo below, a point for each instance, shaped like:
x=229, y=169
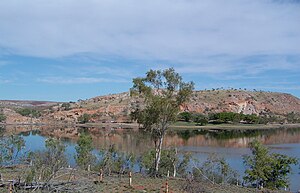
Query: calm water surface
x=231, y=145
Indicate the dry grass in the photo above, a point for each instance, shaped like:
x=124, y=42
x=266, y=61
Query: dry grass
x=82, y=181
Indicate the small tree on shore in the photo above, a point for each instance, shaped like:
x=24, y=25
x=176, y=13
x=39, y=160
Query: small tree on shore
x=163, y=93
x=47, y=163
x=84, y=149
x=269, y=170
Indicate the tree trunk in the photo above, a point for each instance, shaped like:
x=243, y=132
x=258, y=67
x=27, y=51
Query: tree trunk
x=174, y=164
x=158, y=149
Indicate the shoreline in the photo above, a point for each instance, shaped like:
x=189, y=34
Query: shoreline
x=229, y=127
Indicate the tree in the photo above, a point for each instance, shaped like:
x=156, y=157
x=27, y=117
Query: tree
x=200, y=119
x=163, y=92
x=185, y=116
x=84, y=149
x=268, y=170
x=10, y=148
x=216, y=170
x=170, y=162
x=47, y=163
x=115, y=161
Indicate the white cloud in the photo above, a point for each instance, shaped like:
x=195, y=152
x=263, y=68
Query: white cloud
x=79, y=80
x=210, y=36
x=180, y=30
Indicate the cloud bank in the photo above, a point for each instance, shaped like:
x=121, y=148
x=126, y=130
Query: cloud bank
x=182, y=31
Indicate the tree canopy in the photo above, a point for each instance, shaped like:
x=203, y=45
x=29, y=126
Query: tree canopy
x=267, y=169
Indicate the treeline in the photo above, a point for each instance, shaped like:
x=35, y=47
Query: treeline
x=231, y=117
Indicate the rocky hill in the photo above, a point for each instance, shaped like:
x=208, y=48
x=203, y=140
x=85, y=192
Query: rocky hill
x=117, y=107
x=9, y=108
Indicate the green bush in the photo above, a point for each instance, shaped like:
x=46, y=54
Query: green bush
x=66, y=106
x=268, y=169
x=184, y=116
x=113, y=161
x=29, y=112
x=84, y=156
x=2, y=117
x=170, y=162
x=85, y=118
x=200, y=119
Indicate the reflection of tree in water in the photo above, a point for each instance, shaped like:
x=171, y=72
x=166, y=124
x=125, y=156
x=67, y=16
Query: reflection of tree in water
x=223, y=137
x=139, y=141
x=233, y=134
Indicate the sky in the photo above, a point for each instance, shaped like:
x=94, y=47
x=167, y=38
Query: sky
x=65, y=50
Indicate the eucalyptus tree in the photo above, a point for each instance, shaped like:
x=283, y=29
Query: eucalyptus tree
x=163, y=92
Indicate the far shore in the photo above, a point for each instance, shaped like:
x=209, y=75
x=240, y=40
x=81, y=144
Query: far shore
x=176, y=126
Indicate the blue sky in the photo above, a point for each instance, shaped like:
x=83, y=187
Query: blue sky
x=63, y=50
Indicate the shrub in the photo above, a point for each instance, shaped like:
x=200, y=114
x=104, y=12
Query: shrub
x=85, y=118
x=116, y=162
x=29, y=112
x=84, y=149
x=66, y=106
x=2, y=117
x=185, y=116
x=268, y=169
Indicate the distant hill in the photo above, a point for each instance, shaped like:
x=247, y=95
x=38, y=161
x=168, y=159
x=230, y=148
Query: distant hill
x=117, y=107
x=25, y=103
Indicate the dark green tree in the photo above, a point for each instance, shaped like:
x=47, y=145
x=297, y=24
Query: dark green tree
x=185, y=116
x=200, y=119
x=266, y=169
x=163, y=93
x=84, y=149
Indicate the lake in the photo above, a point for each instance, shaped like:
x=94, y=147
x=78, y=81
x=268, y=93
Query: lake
x=232, y=145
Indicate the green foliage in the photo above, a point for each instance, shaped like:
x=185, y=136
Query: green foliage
x=269, y=170
x=216, y=170
x=170, y=161
x=48, y=162
x=29, y=112
x=163, y=93
x=200, y=119
x=10, y=148
x=116, y=162
x=66, y=106
x=185, y=116
x=85, y=118
x=231, y=117
x=293, y=117
x=2, y=117
x=84, y=149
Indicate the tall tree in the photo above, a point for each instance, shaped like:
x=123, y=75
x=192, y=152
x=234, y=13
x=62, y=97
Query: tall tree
x=163, y=93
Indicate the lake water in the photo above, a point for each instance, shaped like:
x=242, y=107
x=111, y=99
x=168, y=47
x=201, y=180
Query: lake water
x=232, y=145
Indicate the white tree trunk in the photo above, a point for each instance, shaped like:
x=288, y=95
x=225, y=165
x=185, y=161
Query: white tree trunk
x=158, y=154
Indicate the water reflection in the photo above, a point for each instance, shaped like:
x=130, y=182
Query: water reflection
x=138, y=141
